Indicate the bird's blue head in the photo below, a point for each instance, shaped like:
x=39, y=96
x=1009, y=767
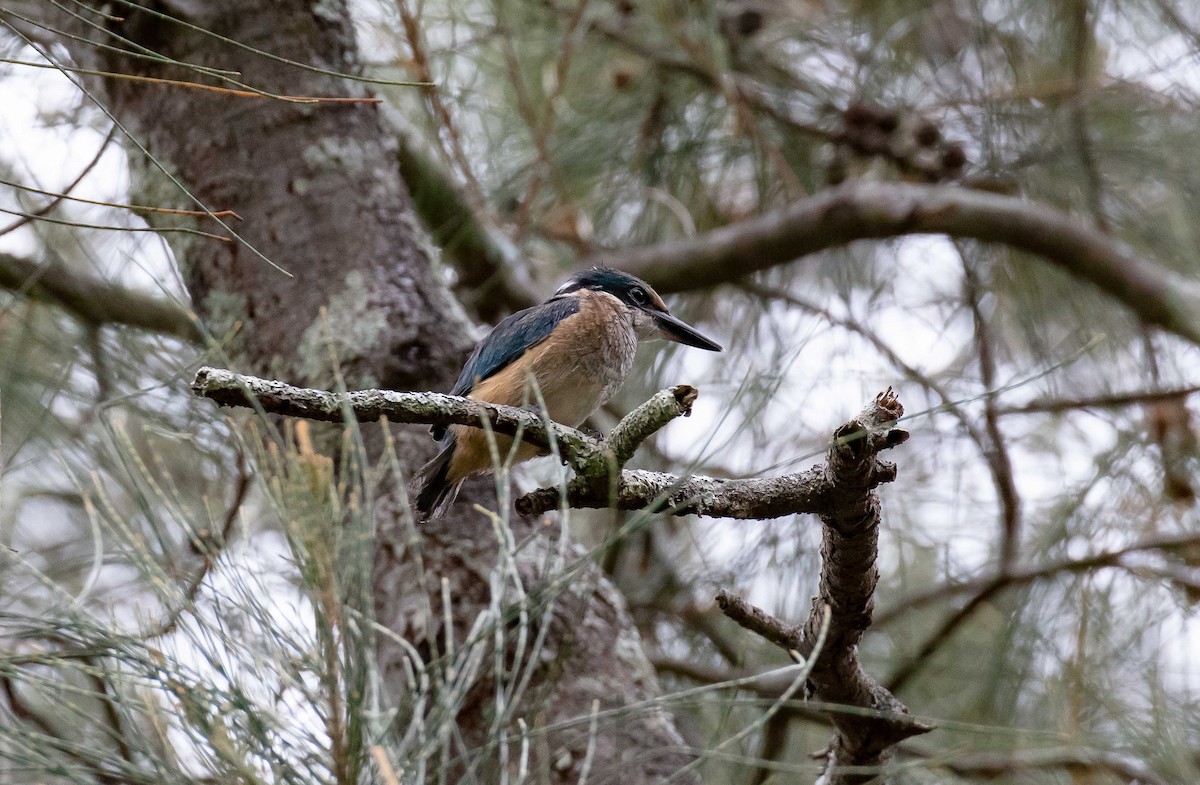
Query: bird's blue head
x=639, y=297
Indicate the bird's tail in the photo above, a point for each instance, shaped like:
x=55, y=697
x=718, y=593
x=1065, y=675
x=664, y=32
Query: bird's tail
x=436, y=491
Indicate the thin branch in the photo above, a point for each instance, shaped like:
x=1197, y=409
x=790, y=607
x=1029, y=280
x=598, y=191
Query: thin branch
x=707, y=621
x=540, y=128
x=1113, y=401
x=182, y=22
x=100, y=685
x=908, y=668
x=65, y=194
x=248, y=93
x=747, y=90
x=1083, y=46
x=115, y=228
x=86, y=757
x=1024, y=576
x=990, y=765
x=768, y=684
x=996, y=451
x=209, y=548
x=437, y=107
x=993, y=585
x=863, y=210
x=949, y=402
x=95, y=300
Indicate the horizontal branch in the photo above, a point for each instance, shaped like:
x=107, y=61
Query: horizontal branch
x=95, y=300
x=861, y=210
x=809, y=491
x=756, y=499
x=421, y=408
x=590, y=458
x=1082, y=761
x=1113, y=401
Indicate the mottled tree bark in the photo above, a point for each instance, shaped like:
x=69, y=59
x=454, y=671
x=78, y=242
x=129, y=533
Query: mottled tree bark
x=321, y=196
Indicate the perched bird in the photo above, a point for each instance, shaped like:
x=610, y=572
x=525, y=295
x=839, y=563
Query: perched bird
x=577, y=347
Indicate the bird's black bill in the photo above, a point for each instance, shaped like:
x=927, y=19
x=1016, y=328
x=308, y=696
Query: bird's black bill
x=681, y=332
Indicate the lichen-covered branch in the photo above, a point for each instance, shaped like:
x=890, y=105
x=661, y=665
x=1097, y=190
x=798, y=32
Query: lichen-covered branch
x=590, y=458
x=756, y=499
x=809, y=491
x=850, y=520
x=423, y=408
x=647, y=419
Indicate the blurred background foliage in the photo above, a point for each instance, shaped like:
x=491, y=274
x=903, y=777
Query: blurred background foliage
x=182, y=604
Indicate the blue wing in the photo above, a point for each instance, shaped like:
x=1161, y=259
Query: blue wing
x=512, y=337
x=508, y=340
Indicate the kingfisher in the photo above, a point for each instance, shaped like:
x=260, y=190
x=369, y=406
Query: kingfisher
x=575, y=349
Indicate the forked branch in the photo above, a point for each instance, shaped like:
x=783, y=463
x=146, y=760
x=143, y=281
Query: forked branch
x=850, y=521
x=592, y=460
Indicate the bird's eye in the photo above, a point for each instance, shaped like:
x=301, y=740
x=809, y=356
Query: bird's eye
x=638, y=296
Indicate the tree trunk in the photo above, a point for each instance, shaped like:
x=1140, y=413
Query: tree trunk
x=321, y=197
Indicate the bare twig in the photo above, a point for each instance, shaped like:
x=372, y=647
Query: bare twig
x=1024, y=576
x=754, y=94
x=100, y=685
x=909, y=667
x=541, y=128
x=65, y=194
x=995, y=452
x=86, y=756
x=988, y=587
x=438, y=108
x=1113, y=401
x=208, y=547
x=1083, y=46
x=949, y=402
x=1074, y=760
